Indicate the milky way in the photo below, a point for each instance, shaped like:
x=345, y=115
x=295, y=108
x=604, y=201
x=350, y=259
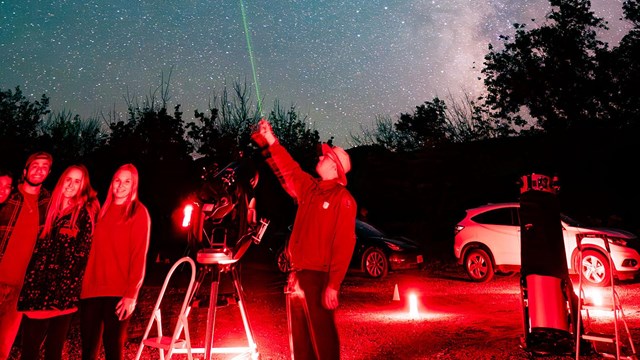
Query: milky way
x=340, y=63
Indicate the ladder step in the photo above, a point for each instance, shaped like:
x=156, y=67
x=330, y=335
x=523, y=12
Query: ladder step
x=614, y=356
x=605, y=338
x=588, y=306
x=164, y=343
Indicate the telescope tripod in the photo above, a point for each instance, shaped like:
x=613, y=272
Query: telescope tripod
x=216, y=264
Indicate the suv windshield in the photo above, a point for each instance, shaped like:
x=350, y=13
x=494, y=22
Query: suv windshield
x=571, y=221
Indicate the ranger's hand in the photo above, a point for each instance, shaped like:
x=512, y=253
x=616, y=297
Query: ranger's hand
x=264, y=136
x=330, y=298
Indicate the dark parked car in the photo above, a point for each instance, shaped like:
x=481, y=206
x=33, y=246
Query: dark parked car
x=375, y=253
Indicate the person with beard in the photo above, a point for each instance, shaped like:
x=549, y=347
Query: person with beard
x=20, y=219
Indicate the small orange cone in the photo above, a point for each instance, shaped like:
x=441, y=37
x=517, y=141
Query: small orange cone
x=396, y=294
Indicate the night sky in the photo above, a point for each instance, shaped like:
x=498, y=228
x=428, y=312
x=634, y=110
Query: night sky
x=339, y=62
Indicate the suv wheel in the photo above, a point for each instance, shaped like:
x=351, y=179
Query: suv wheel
x=595, y=268
x=478, y=265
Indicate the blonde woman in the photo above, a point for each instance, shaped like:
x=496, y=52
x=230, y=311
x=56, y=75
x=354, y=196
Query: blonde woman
x=51, y=290
x=116, y=267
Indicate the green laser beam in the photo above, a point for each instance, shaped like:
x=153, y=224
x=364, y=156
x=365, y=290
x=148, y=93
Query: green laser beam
x=253, y=66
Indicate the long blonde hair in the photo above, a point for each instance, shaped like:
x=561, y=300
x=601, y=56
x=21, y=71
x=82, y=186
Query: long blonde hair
x=86, y=197
x=131, y=203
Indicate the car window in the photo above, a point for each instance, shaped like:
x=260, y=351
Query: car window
x=367, y=230
x=502, y=216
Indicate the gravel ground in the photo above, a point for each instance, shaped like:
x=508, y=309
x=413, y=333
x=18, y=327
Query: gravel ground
x=457, y=319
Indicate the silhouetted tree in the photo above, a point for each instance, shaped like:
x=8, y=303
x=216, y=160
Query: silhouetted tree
x=432, y=123
x=225, y=134
x=383, y=134
x=549, y=72
x=294, y=133
x=623, y=69
x=425, y=128
x=70, y=137
x=19, y=125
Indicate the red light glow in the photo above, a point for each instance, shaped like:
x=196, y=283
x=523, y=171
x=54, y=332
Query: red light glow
x=595, y=295
x=186, y=215
x=413, y=306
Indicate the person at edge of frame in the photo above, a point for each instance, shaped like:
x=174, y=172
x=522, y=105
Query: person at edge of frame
x=6, y=185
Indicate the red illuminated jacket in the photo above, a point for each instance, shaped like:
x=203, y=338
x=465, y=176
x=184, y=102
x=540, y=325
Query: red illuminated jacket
x=323, y=236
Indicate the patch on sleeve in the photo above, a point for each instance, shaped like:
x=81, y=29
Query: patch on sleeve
x=348, y=203
x=325, y=205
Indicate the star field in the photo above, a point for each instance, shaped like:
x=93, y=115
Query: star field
x=339, y=62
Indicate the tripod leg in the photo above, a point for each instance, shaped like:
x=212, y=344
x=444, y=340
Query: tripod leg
x=290, y=324
x=196, y=286
x=304, y=345
x=211, y=315
x=245, y=320
x=525, y=313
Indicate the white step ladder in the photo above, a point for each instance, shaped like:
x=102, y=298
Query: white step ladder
x=168, y=345
x=605, y=336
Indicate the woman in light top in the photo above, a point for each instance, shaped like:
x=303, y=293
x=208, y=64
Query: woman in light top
x=51, y=290
x=116, y=267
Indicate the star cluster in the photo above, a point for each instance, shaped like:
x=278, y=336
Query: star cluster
x=341, y=63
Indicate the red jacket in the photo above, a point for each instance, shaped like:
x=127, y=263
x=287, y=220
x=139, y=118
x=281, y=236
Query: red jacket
x=323, y=236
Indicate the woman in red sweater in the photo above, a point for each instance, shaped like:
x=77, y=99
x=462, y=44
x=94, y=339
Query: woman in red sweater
x=116, y=267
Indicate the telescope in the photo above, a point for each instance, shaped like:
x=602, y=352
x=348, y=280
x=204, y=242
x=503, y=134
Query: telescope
x=221, y=223
x=220, y=218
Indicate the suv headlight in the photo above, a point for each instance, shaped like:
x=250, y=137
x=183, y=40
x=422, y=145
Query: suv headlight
x=617, y=241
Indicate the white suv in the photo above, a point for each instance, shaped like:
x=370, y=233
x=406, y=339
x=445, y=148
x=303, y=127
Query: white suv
x=487, y=240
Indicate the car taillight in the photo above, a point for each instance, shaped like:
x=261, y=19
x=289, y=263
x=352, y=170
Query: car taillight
x=393, y=246
x=186, y=215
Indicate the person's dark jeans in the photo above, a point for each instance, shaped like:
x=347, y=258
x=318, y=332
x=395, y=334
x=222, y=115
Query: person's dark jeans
x=99, y=322
x=312, y=328
x=52, y=332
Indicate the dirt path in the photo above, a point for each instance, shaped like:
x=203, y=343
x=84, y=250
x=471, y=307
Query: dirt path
x=457, y=319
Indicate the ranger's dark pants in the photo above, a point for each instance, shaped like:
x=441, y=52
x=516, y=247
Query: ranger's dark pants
x=312, y=328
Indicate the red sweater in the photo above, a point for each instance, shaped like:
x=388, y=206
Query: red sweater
x=116, y=264
x=323, y=236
